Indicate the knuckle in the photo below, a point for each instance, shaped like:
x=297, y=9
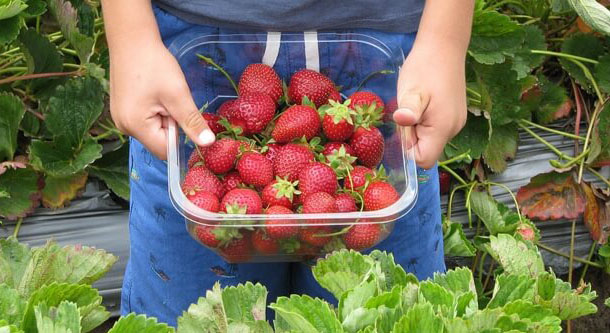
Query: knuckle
x=194, y=120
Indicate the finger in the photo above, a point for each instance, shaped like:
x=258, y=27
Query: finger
x=411, y=106
x=153, y=135
x=429, y=146
x=182, y=108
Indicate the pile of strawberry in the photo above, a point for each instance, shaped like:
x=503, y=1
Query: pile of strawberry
x=286, y=150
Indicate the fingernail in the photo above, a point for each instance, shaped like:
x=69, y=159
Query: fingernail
x=404, y=110
x=206, y=137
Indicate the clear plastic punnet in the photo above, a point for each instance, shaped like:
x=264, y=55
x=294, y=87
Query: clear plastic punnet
x=371, y=63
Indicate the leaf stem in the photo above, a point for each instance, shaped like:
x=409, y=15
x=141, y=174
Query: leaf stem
x=75, y=66
x=473, y=92
x=455, y=175
x=599, y=175
x=368, y=77
x=584, y=270
x=38, y=76
x=17, y=227
x=575, y=160
x=578, y=259
x=543, y=141
x=450, y=201
x=565, y=55
x=512, y=196
x=571, y=262
x=596, y=112
x=589, y=76
x=211, y=62
x=550, y=130
x=69, y=51
x=468, y=207
x=13, y=70
x=459, y=157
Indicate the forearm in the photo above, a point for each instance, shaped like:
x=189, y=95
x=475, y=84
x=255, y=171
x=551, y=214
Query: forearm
x=445, y=27
x=129, y=24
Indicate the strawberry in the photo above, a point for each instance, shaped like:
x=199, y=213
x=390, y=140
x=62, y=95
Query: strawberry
x=260, y=78
x=279, y=192
x=196, y=157
x=358, y=177
x=199, y=178
x=254, y=111
x=290, y=160
x=345, y=203
x=337, y=123
x=331, y=147
x=388, y=112
x=271, y=151
x=317, y=177
x=263, y=243
x=255, y=169
x=227, y=109
x=278, y=229
x=444, y=179
x=221, y=155
x=362, y=236
x=366, y=99
x=237, y=250
x=334, y=96
x=320, y=202
x=311, y=84
x=310, y=235
x=205, y=200
x=294, y=123
x=379, y=195
x=527, y=232
x=241, y=201
x=368, y=146
x=231, y=181
x=212, y=120
x=206, y=236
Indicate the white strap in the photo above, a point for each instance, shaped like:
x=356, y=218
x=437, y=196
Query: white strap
x=272, y=50
x=312, y=55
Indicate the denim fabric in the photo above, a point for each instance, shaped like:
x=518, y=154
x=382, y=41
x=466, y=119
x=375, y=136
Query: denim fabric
x=168, y=270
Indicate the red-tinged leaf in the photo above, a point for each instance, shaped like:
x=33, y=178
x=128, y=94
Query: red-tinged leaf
x=600, y=140
x=597, y=213
x=59, y=190
x=552, y=195
x=20, y=190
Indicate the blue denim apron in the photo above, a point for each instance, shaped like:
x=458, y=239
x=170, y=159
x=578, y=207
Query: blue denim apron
x=168, y=270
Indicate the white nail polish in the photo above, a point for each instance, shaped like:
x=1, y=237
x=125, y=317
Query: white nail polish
x=206, y=137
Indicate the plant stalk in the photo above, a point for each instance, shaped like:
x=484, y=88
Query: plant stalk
x=565, y=255
x=38, y=76
x=17, y=227
x=584, y=270
x=211, y=62
x=565, y=55
x=550, y=130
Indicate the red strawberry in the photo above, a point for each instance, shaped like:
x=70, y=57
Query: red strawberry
x=388, y=112
x=206, y=236
x=308, y=251
x=221, y=155
x=368, y=145
x=277, y=228
x=196, y=157
x=317, y=177
x=310, y=84
x=444, y=181
x=345, y=203
x=338, y=124
x=272, y=150
x=527, y=232
x=362, y=236
x=320, y=202
x=358, y=177
x=227, y=109
x=279, y=192
x=310, y=235
x=255, y=169
x=263, y=243
x=199, y=178
x=205, y=200
x=237, y=250
x=366, y=99
x=260, y=78
x=335, y=96
x=241, y=201
x=212, y=120
x=231, y=181
x=256, y=110
x=379, y=195
x=290, y=160
x=297, y=121
x=331, y=147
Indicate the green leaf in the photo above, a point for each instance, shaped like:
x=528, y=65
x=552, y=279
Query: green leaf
x=58, y=158
x=494, y=36
x=9, y=29
x=113, y=169
x=342, y=271
x=582, y=45
x=441, y=299
x=7, y=328
x=602, y=73
x=23, y=191
x=593, y=13
x=73, y=108
x=458, y=281
x=87, y=299
x=524, y=61
x=40, y=54
x=59, y=190
x=545, y=286
x=356, y=298
x=473, y=138
x=600, y=139
x=208, y=314
x=68, y=18
x=140, y=324
x=306, y=314
x=388, y=273
x=62, y=319
x=607, y=302
x=12, y=305
x=492, y=213
x=420, y=318
x=554, y=102
x=14, y=258
x=515, y=257
x=455, y=242
x=569, y=304
x=11, y=113
x=35, y=8
x=538, y=318
x=359, y=319
x=386, y=320
x=245, y=302
x=466, y=304
x=502, y=147
x=10, y=8
x=510, y=288
x=30, y=125
x=481, y=321
x=500, y=99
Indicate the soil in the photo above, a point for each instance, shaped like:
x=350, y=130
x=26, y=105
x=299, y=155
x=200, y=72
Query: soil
x=599, y=322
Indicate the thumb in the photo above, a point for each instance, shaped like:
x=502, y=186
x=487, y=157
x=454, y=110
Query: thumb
x=411, y=106
x=182, y=108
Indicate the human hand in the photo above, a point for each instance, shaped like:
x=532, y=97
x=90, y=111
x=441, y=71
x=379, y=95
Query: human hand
x=147, y=87
x=431, y=99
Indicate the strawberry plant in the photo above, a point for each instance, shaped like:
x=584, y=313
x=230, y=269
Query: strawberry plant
x=55, y=131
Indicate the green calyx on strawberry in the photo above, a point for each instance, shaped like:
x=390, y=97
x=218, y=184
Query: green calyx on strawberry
x=285, y=188
x=289, y=246
x=335, y=244
x=342, y=162
x=235, y=209
x=338, y=123
x=231, y=130
x=368, y=115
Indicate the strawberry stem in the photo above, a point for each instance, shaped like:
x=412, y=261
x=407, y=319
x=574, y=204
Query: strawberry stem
x=17, y=227
x=550, y=130
x=596, y=112
x=211, y=62
x=338, y=233
x=368, y=77
x=455, y=175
